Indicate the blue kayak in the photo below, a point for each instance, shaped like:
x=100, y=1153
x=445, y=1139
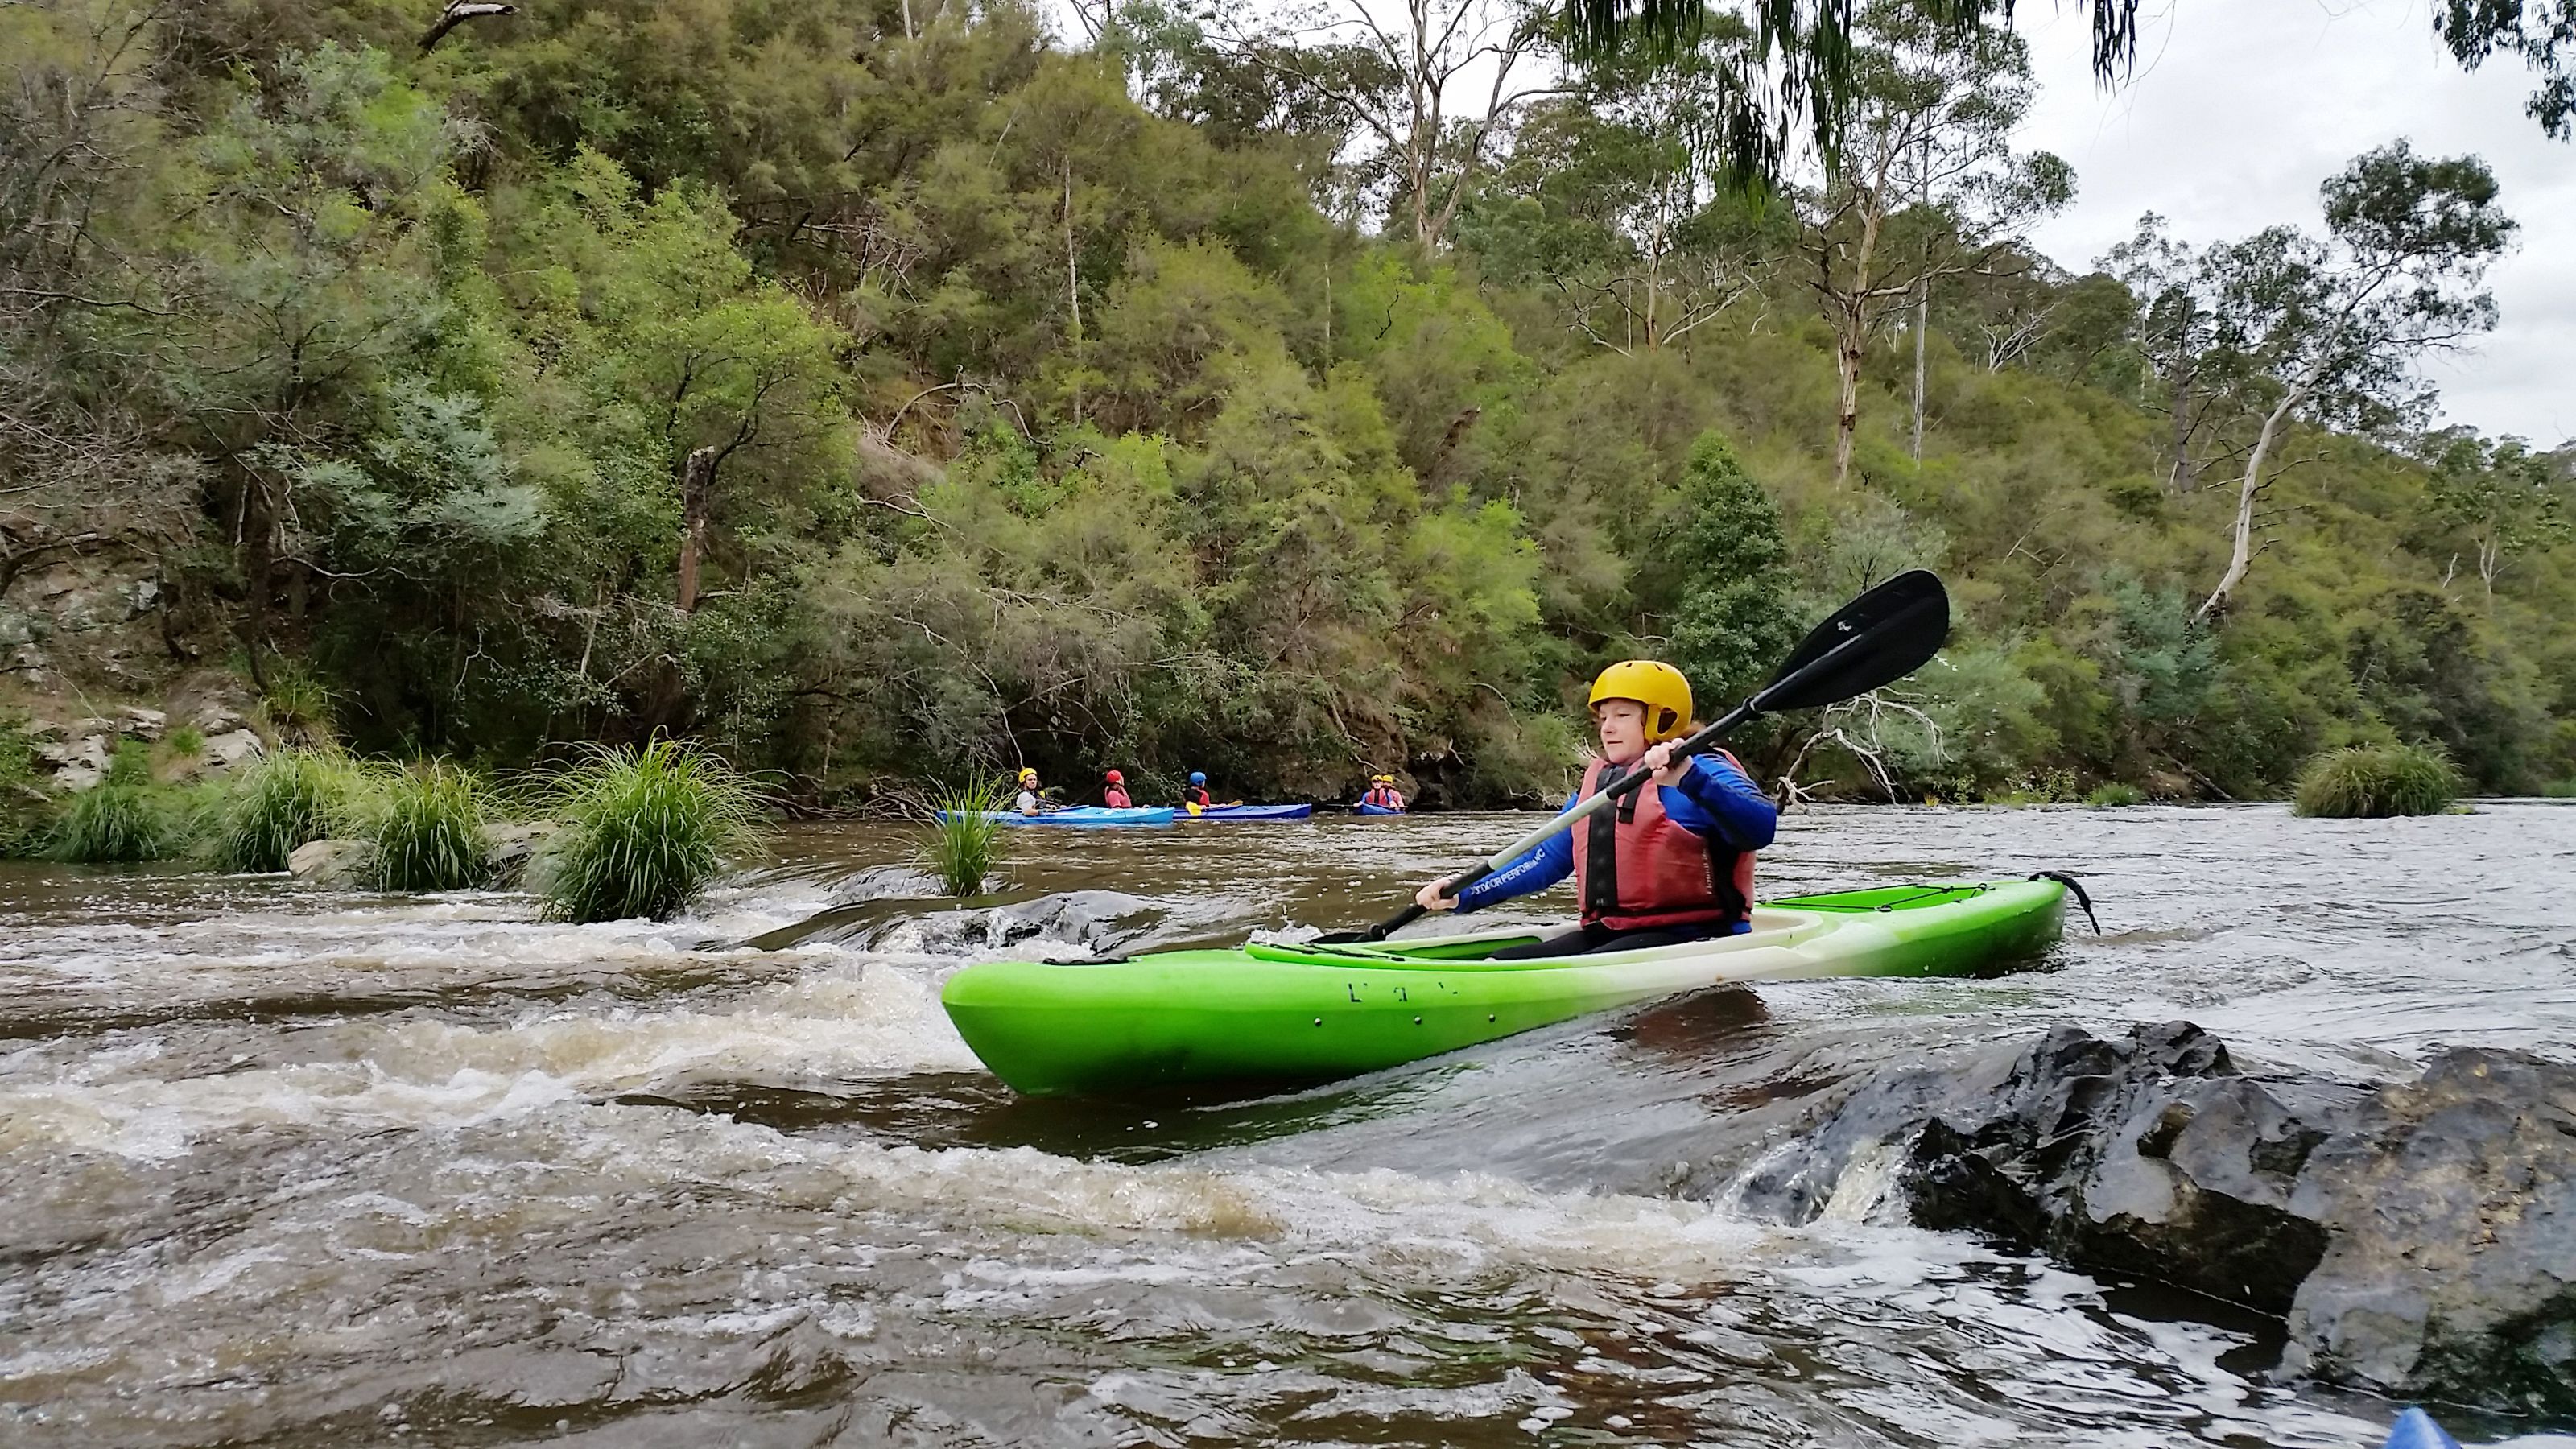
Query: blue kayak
x=2416, y=1430
x=1366, y=809
x=1084, y=815
x=1250, y=812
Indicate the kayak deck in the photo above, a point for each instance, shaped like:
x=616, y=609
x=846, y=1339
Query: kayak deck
x=1269, y=1013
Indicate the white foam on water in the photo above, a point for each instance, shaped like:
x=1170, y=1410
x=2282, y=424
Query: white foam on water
x=835, y=1024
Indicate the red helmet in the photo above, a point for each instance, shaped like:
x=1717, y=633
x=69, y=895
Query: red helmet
x=1117, y=779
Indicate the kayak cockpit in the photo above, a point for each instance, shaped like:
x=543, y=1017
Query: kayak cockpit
x=1771, y=926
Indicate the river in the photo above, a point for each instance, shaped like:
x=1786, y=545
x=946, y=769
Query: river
x=284, y=1166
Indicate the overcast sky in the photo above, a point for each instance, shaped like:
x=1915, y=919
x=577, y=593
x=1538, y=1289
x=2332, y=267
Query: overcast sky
x=2238, y=110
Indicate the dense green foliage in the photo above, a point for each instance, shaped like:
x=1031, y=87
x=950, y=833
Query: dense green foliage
x=428, y=833
x=2373, y=783
x=872, y=395
x=645, y=829
x=964, y=847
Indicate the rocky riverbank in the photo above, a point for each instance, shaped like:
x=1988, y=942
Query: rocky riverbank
x=2418, y=1238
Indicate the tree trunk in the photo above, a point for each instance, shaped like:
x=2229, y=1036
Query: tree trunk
x=2242, y=555
x=1847, y=351
x=697, y=490
x=1073, y=290
x=1922, y=324
x=2182, y=477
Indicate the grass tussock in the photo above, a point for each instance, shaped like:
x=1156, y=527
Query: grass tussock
x=123, y=819
x=26, y=807
x=644, y=831
x=2116, y=793
x=293, y=797
x=2370, y=783
x=297, y=706
x=965, y=845
x=428, y=831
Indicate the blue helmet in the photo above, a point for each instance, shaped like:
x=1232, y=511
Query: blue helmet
x=1198, y=777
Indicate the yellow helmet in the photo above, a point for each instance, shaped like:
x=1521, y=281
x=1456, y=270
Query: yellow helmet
x=1656, y=685
x=1381, y=779
x=1028, y=773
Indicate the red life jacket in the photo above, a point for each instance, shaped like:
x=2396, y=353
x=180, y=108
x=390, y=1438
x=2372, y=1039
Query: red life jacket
x=1647, y=871
x=1196, y=795
x=1384, y=797
x=1115, y=797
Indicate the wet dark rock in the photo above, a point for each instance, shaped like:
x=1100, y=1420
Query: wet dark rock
x=2453, y=1256
x=1094, y=919
x=2419, y=1237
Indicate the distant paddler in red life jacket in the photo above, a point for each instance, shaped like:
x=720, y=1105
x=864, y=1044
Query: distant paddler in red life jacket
x=1115, y=796
x=1195, y=799
x=1031, y=801
x=1675, y=865
x=1383, y=794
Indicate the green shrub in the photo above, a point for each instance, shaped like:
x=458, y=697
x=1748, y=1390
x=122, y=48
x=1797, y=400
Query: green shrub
x=297, y=705
x=289, y=799
x=2367, y=783
x=644, y=831
x=26, y=807
x=120, y=819
x=2560, y=789
x=965, y=844
x=429, y=831
x=2116, y=793
x=187, y=742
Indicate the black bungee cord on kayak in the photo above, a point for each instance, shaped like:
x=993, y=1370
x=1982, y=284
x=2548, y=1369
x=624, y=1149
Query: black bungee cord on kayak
x=2081, y=899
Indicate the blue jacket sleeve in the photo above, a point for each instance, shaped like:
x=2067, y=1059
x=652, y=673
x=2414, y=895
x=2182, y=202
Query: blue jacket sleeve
x=1718, y=801
x=1535, y=869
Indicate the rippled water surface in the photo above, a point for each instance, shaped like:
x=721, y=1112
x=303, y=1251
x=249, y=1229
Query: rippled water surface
x=281, y=1166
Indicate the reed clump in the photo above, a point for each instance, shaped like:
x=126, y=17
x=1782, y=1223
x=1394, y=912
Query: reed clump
x=2116, y=793
x=965, y=844
x=290, y=799
x=123, y=819
x=428, y=831
x=2374, y=782
x=645, y=831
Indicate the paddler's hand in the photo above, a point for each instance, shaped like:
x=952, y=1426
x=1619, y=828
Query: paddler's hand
x=1668, y=771
x=1431, y=899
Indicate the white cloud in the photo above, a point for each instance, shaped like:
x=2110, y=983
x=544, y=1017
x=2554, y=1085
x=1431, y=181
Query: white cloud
x=2237, y=112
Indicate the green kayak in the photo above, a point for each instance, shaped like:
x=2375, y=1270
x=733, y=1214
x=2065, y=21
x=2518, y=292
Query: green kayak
x=1262, y=1013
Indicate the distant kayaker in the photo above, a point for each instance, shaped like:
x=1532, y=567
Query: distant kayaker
x=1677, y=865
x=1383, y=794
x=1115, y=796
x=1196, y=798
x=1031, y=800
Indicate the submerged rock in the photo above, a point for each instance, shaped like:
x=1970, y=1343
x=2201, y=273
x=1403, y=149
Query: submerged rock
x=2420, y=1238
x=336, y=863
x=513, y=845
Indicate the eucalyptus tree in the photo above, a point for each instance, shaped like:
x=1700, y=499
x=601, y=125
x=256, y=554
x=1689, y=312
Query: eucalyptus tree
x=1810, y=91
x=1930, y=187
x=2333, y=329
x=1632, y=161
x=1433, y=85
x=2500, y=497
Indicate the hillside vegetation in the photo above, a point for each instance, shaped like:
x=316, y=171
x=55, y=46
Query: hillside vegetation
x=888, y=390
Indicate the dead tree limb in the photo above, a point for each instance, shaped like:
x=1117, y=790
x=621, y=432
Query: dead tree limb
x=456, y=14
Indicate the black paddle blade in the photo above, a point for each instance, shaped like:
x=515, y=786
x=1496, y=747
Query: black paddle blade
x=1876, y=639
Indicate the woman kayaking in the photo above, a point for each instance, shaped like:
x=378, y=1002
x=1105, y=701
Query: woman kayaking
x=1114, y=796
x=1677, y=864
